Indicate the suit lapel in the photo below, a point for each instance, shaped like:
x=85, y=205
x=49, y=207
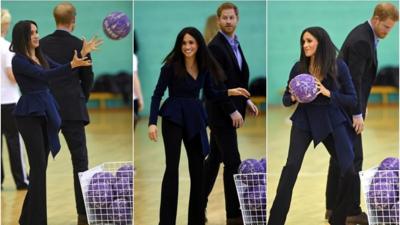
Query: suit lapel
x=230, y=50
x=244, y=63
x=372, y=42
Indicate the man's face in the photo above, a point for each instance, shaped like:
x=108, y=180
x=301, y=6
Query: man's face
x=382, y=27
x=228, y=21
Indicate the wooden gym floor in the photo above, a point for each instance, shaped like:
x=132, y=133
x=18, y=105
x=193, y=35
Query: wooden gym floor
x=109, y=139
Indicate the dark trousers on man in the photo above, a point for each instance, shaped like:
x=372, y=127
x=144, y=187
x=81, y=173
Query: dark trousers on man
x=34, y=133
x=224, y=149
x=299, y=142
x=10, y=131
x=173, y=134
x=74, y=134
x=334, y=177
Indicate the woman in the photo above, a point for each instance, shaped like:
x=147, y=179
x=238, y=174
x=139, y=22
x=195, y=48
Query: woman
x=187, y=69
x=322, y=120
x=36, y=113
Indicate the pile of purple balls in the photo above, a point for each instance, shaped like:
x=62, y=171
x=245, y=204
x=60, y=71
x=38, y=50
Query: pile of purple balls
x=251, y=186
x=383, y=194
x=110, y=198
x=304, y=87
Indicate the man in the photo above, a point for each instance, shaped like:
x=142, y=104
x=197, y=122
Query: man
x=226, y=49
x=9, y=97
x=359, y=53
x=71, y=92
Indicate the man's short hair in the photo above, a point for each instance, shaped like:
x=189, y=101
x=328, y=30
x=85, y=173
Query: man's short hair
x=64, y=13
x=386, y=10
x=5, y=16
x=227, y=5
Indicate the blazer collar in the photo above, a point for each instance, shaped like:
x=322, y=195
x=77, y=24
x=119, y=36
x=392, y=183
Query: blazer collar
x=371, y=38
x=230, y=50
x=62, y=33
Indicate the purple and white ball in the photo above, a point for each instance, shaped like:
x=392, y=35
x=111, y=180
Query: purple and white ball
x=252, y=172
x=388, y=216
x=390, y=163
x=120, y=212
x=125, y=171
x=304, y=87
x=116, y=25
x=99, y=197
x=263, y=163
x=250, y=166
x=383, y=191
x=254, y=198
x=123, y=189
x=103, y=177
x=395, y=213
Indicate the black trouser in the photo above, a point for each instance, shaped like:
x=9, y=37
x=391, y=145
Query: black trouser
x=34, y=133
x=173, y=135
x=224, y=148
x=334, y=176
x=136, y=113
x=74, y=134
x=10, y=131
x=299, y=142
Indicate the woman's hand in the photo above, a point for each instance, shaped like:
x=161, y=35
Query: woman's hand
x=238, y=92
x=153, y=132
x=76, y=62
x=293, y=97
x=89, y=46
x=321, y=89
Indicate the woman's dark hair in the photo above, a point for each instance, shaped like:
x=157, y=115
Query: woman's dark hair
x=205, y=60
x=325, y=55
x=21, y=38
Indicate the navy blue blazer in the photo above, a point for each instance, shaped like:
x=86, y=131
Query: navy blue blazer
x=359, y=53
x=183, y=105
x=235, y=77
x=36, y=99
x=323, y=114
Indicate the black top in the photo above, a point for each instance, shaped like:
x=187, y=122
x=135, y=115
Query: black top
x=223, y=53
x=71, y=92
x=359, y=53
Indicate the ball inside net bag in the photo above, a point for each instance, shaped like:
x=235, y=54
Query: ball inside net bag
x=103, y=177
x=120, y=212
x=390, y=163
x=383, y=190
x=116, y=25
x=254, y=197
x=250, y=166
x=125, y=171
x=263, y=162
x=304, y=87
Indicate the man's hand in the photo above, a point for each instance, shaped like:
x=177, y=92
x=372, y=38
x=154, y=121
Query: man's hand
x=252, y=108
x=237, y=119
x=358, y=123
x=152, y=132
x=89, y=46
